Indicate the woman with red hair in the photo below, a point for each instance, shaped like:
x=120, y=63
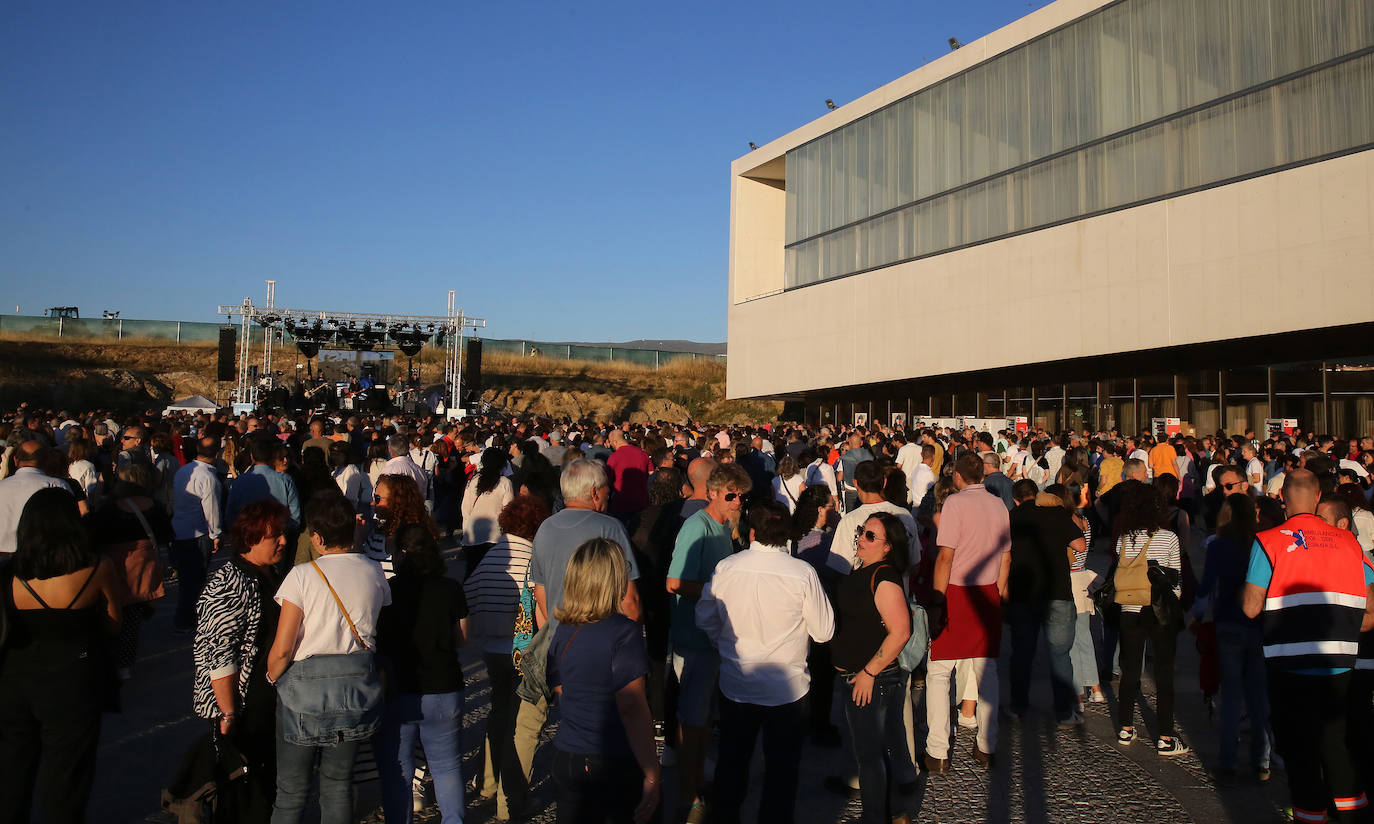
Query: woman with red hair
x=236, y=621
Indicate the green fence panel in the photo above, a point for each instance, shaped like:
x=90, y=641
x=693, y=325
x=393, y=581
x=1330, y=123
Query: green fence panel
x=591, y=353
x=29, y=325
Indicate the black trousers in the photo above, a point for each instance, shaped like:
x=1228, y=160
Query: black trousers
x=1308, y=713
x=594, y=790
x=1137, y=628
x=783, y=728
x=49, y=729
x=1360, y=726
x=822, y=695
x=500, y=735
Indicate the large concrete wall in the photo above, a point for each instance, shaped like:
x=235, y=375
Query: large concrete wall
x=1283, y=252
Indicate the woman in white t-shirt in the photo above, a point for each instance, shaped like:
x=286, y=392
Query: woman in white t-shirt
x=788, y=483
x=328, y=608
x=486, y=495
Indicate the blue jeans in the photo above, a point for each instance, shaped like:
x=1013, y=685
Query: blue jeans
x=1240, y=656
x=436, y=720
x=189, y=558
x=1058, y=619
x=878, y=734
x=295, y=763
x=1083, y=654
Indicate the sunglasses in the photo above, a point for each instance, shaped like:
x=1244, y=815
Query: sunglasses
x=730, y=496
x=1236, y=484
x=869, y=534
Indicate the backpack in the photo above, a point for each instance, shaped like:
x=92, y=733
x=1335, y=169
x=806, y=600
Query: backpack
x=918, y=642
x=1132, y=579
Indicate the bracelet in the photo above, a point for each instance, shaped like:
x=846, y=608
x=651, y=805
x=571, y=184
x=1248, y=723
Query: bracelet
x=869, y=674
x=226, y=716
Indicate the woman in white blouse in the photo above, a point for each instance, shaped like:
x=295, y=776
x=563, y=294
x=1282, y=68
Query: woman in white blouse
x=487, y=493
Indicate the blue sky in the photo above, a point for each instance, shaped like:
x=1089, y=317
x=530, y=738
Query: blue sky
x=565, y=168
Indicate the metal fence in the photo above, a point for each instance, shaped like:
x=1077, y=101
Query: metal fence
x=193, y=332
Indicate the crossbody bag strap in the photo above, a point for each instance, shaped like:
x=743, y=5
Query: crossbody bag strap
x=342, y=609
x=1135, y=559
x=147, y=530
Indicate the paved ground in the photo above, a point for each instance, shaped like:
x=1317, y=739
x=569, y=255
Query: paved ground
x=1042, y=774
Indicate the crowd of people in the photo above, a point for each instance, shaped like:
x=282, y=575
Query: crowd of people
x=651, y=583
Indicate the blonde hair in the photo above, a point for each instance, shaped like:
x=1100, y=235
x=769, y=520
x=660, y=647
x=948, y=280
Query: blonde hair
x=594, y=583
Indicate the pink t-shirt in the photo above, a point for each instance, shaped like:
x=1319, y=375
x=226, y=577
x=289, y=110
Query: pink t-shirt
x=976, y=525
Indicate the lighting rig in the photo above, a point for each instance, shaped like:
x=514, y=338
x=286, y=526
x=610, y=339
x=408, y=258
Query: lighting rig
x=315, y=329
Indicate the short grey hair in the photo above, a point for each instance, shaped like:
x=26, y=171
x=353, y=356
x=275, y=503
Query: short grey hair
x=398, y=446
x=1133, y=467
x=581, y=478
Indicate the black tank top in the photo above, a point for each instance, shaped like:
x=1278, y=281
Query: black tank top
x=859, y=629
x=48, y=637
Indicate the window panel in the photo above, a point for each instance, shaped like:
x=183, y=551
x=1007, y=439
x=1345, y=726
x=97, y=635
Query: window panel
x=1128, y=64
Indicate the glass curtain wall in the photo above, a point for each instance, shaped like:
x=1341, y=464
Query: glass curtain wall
x=1143, y=99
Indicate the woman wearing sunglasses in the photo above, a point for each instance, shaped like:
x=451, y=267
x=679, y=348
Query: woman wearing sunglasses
x=872, y=624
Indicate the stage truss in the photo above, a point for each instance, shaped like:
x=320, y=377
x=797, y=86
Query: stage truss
x=357, y=331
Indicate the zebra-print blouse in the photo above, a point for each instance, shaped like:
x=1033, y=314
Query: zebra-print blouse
x=227, y=618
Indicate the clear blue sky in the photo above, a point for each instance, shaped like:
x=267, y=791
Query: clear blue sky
x=565, y=168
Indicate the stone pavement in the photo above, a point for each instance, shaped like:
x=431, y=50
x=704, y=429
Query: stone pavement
x=1042, y=774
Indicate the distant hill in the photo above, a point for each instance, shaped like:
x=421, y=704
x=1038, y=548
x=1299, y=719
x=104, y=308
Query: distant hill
x=665, y=345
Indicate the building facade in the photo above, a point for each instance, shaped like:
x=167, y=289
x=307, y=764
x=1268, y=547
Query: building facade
x=1102, y=213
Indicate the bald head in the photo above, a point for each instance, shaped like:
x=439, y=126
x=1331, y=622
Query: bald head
x=1301, y=492
x=698, y=473
x=29, y=453
x=616, y=439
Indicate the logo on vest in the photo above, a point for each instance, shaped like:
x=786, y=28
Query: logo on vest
x=1299, y=540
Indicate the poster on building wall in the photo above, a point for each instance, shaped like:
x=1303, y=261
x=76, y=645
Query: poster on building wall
x=899, y=421
x=860, y=419
x=1280, y=426
x=1018, y=423
x=1165, y=428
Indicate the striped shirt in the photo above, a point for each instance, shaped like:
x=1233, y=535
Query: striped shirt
x=1163, y=549
x=493, y=593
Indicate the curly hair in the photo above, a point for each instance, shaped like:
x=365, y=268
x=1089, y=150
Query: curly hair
x=1142, y=508
x=523, y=515
x=406, y=505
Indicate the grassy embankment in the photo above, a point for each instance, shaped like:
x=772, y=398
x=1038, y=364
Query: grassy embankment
x=137, y=374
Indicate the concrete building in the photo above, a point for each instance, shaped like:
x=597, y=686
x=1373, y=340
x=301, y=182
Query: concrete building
x=1101, y=213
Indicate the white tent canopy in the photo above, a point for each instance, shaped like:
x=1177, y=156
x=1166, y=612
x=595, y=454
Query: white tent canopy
x=195, y=403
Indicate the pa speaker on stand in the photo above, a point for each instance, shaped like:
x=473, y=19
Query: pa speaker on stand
x=226, y=366
x=472, y=373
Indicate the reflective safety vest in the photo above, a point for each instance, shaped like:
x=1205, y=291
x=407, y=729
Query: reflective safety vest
x=1316, y=597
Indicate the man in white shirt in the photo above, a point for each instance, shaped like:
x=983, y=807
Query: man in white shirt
x=908, y=454
x=16, y=490
x=1134, y=450
x=868, y=480
x=1254, y=469
x=761, y=610
x=1054, y=456
x=401, y=464
x=196, y=528
x=922, y=477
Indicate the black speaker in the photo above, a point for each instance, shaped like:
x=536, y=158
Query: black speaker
x=472, y=370
x=226, y=367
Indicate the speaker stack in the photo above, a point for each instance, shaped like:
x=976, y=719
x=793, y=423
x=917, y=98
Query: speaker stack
x=472, y=370
x=226, y=366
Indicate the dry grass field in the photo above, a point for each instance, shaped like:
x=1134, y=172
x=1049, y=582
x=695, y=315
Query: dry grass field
x=78, y=374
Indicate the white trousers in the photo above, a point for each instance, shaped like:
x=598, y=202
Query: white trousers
x=941, y=677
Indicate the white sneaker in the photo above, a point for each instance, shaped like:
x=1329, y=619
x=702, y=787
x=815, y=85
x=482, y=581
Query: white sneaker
x=1096, y=697
x=1170, y=746
x=968, y=722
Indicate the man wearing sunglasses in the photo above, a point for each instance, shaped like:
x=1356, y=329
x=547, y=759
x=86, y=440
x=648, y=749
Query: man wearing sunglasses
x=868, y=480
x=703, y=541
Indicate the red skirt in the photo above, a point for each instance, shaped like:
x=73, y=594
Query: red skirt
x=975, y=624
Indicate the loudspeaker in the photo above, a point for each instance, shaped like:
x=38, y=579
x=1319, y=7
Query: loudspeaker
x=472, y=370
x=227, y=368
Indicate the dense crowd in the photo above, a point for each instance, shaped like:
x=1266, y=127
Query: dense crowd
x=661, y=581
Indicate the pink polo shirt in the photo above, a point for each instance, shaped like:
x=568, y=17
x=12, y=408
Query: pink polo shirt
x=976, y=525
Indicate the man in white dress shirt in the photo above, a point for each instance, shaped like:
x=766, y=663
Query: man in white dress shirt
x=401, y=464
x=761, y=610
x=16, y=490
x=196, y=528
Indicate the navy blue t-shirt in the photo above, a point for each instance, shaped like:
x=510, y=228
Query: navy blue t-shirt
x=600, y=660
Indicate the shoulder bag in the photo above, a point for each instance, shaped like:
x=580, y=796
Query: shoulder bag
x=1132, y=580
x=331, y=698
x=918, y=642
